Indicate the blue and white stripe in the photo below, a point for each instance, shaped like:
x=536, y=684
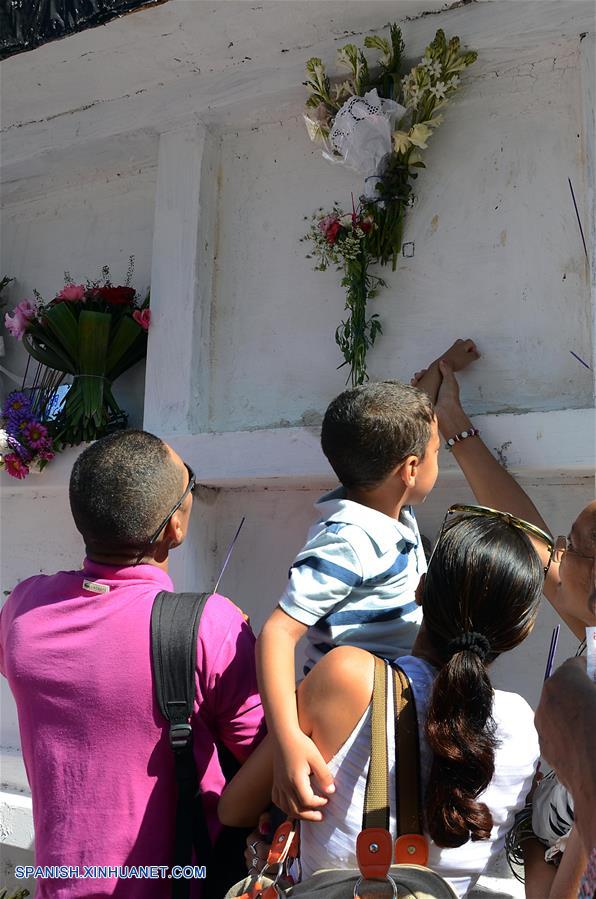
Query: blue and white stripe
x=354, y=580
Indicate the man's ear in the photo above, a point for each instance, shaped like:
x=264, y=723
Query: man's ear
x=420, y=590
x=407, y=470
x=175, y=532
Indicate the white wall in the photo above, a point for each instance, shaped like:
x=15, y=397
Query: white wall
x=242, y=342
x=498, y=255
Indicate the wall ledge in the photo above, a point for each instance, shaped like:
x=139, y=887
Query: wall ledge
x=559, y=443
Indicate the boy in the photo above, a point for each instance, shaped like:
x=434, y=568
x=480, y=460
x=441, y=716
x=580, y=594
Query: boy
x=354, y=581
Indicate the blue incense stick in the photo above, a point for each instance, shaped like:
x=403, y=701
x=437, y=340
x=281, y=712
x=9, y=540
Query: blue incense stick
x=552, y=651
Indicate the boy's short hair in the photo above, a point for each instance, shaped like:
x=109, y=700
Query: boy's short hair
x=367, y=431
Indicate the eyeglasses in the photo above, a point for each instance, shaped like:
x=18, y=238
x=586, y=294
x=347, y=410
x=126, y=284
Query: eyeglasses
x=485, y=511
x=192, y=483
x=563, y=546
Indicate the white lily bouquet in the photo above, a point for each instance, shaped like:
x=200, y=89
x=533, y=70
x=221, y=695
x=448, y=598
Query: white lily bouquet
x=377, y=124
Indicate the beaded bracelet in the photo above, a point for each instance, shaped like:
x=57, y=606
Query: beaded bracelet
x=469, y=432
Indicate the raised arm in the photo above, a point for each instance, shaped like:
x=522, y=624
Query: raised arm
x=458, y=356
x=492, y=485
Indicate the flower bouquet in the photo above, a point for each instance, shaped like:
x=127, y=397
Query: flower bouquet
x=378, y=123
x=341, y=239
x=25, y=442
x=93, y=332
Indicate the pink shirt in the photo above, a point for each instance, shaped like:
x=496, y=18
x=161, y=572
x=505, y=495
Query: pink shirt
x=94, y=743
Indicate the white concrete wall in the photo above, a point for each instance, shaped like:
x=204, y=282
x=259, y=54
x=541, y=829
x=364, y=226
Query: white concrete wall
x=497, y=253
x=194, y=158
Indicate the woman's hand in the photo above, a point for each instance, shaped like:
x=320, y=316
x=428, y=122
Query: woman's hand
x=258, y=844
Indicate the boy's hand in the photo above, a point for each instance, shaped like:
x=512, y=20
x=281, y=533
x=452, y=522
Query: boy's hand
x=460, y=354
x=293, y=767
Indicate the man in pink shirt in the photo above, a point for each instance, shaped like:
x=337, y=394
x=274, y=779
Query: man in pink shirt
x=76, y=649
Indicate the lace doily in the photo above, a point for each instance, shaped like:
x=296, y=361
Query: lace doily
x=361, y=133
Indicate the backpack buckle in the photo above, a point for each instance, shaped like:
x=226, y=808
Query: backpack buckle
x=180, y=735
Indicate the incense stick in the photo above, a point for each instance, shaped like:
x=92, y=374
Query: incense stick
x=580, y=360
x=581, y=230
x=228, y=554
x=552, y=651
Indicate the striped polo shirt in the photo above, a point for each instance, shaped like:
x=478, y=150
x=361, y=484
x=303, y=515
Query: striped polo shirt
x=354, y=581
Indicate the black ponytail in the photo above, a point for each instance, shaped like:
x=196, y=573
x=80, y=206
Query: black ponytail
x=481, y=598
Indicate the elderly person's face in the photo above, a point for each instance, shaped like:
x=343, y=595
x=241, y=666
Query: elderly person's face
x=577, y=570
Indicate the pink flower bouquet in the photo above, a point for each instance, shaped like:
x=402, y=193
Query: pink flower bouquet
x=94, y=332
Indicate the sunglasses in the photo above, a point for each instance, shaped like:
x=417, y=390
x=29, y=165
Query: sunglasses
x=486, y=512
x=192, y=483
x=563, y=547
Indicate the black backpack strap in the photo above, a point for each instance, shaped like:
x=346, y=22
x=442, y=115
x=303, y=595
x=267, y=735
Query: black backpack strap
x=174, y=627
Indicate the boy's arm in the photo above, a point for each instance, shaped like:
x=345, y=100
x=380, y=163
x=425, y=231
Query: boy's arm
x=295, y=755
x=458, y=356
x=492, y=485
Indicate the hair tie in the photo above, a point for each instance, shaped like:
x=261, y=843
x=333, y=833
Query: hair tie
x=471, y=641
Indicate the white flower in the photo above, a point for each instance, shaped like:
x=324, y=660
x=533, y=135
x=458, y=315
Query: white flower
x=419, y=135
x=453, y=82
x=438, y=90
x=401, y=141
x=4, y=444
x=316, y=130
x=433, y=66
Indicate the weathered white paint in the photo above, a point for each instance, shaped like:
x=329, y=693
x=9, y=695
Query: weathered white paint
x=163, y=66
x=174, y=280
x=536, y=442
x=503, y=259
x=175, y=134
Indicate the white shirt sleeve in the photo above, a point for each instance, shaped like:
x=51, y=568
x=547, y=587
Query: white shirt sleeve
x=322, y=576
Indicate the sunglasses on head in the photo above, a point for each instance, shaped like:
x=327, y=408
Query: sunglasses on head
x=527, y=527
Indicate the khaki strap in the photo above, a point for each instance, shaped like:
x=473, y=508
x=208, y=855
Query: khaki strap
x=407, y=755
x=376, y=797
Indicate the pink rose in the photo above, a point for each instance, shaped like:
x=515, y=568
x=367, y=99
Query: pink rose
x=17, y=323
x=326, y=222
x=72, y=293
x=142, y=318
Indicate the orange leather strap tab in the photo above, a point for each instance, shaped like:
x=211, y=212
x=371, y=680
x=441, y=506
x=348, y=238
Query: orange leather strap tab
x=374, y=852
x=254, y=892
x=411, y=849
x=282, y=841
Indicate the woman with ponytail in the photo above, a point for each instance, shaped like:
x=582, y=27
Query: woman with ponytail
x=480, y=598
x=478, y=746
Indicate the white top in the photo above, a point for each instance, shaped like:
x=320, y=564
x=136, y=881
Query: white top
x=332, y=842
x=354, y=581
